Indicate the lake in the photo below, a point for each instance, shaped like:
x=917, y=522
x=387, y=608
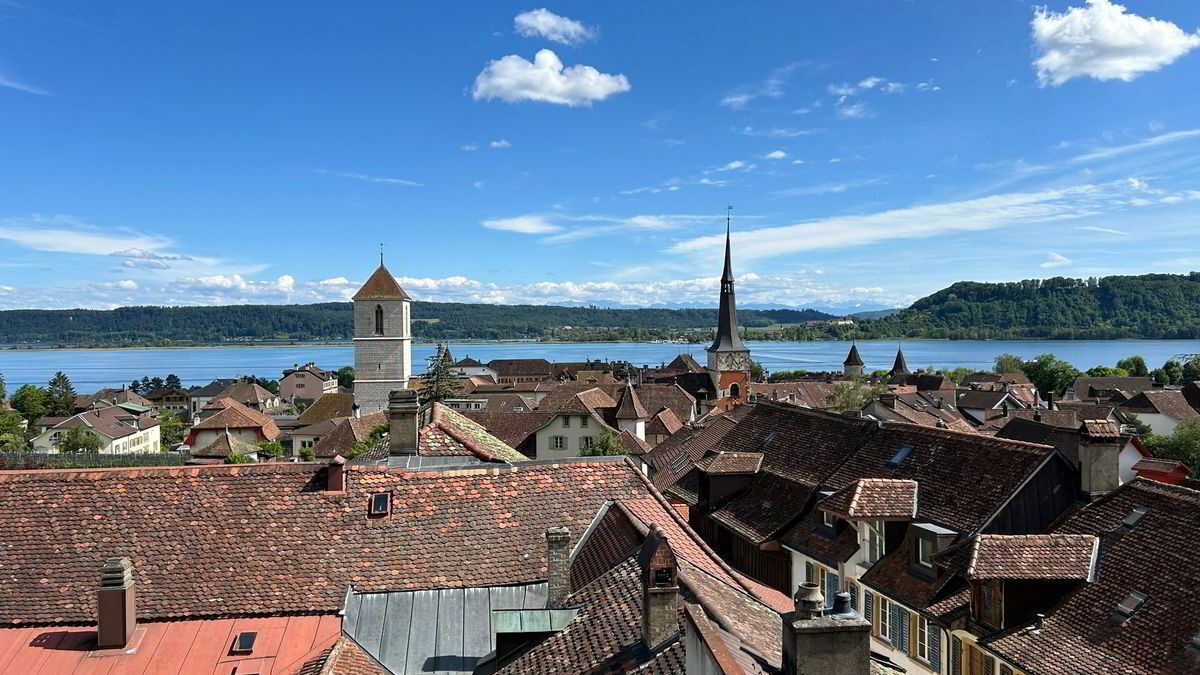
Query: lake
x=91, y=369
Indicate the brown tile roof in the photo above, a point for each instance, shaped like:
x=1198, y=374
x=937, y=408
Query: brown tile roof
x=1158, y=557
x=1089, y=387
x=467, y=437
x=658, y=396
x=207, y=541
x=633, y=445
x=234, y=415
x=731, y=462
x=1066, y=419
x=630, y=406
x=381, y=286
x=248, y=393
x=811, y=394
x=663, y=423
x=225, y=445
x=521, y=367
x=514, y=428
x=816, y=541
x=1059, y=557
x=327, y=407
x=874, y=498
x=675, y=456
x=112, y=422
x=346, y=432
x=1169, y=402
x=1160, y=465
x=1101, y=429
x=347, y=657
x=760, y=512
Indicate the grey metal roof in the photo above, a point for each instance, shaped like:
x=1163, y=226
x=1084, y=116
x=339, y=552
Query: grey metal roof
x=434, y=631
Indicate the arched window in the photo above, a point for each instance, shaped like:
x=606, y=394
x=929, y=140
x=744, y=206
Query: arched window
x=379, y=319
x=735, y=391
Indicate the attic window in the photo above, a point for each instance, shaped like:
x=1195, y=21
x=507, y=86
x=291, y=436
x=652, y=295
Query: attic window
x=1130, y=605
x=1195, y=642
x=244, y=643
x=900, y=456
x=381, y=504
x=1135, y=516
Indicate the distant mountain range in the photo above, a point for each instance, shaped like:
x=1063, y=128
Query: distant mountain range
x=1148, y=306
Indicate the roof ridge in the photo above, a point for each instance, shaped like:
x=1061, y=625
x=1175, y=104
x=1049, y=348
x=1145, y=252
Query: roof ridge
x=967, y=435
x=135, y=472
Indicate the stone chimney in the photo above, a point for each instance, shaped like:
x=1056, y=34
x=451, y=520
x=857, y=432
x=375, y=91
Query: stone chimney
x=116, y=607
x=660, y=590
x=404, y=411
x=888, y=399
x=336, y=480
x=1099, y=462
x=818, y=643
x=558, y=566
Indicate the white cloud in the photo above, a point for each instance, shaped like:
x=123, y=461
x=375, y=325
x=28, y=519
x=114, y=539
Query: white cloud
x=64, y=234
x=984, y=213
x=513, y=79
x=12, y=83
x=854, y=111
x=547, y=24
x=735, y=165
x=894, y=88
x=500, y=144
x=827, y=188
x=772, y=87
x=384, y=180
x=871, y=82
x=737, y=101
x=775, y=154
x=1104, y=230
x=1055, y=260
x=469, y=147
x=1144, y=144
x=531, y=224
x=778, y=132
x=1104, y=42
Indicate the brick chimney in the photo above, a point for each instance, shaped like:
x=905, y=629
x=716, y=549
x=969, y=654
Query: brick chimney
x=1099, y=461
x=116, y=607
x=558, y=565
x=336, y=480
x=833, y=643
x=404, y=411
x=660, y=590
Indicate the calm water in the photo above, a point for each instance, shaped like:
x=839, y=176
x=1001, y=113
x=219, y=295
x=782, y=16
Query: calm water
x=91, y=369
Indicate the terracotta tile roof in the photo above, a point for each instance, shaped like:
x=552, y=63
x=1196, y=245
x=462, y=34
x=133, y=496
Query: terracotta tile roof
x=327, y=407
x=874, y=498
x=225, y=445
x=112, y=422
x=248, y=394
x=771, y=503
x=810, y=394
x=674, y=457
x=630, y=406
x=234, y=415
x=663, y=423
x=1160, y=465
x=731, y=462
x=1101, y=429
x=465, y=436
x=1169, y=402
x=1033, y=556
x=1158, y=557
x=521, y=367
x=658, y=396
x=633, y=445
x=346, y=432
x=514, y=428
x=347, y=657
x=381, y=285
x=207, y=541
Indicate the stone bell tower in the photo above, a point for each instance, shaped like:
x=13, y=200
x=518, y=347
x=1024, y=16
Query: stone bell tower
x=382, y=340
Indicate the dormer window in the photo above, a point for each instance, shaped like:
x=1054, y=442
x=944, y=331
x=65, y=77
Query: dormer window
x=925, y=550
x=828, y=519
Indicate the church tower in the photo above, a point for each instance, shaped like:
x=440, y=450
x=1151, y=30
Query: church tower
x=382, y=340
x=728, y=357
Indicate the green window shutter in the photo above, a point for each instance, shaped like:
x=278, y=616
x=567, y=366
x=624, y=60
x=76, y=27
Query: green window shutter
x=831, y=588
x=935, y=648
x=810, y=573
x=868, y=606
x=955, y=656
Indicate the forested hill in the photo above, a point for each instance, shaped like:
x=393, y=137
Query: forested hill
x=1152, y=306
x=332, y=321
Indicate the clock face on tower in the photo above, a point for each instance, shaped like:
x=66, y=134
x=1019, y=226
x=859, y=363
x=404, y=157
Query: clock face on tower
x=734, y=361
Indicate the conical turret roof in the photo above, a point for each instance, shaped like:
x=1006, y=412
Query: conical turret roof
x=727, y=339
x=853, y=359
x=899, y=367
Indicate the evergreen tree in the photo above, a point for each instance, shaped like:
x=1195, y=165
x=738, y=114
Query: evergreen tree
x=155, y=383
x=3, y=388
x=1191, y=371
x=440, y=382
x=135, y=386
x=60, y=396
x=30, y=401
x=173, y=381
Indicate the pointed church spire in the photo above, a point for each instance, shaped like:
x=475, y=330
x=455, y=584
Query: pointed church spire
x=853, y=359
x=728, y=339
x=899, y=367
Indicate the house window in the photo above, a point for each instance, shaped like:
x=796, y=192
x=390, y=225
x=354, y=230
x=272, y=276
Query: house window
x=381, y=504
x=566, y=422
x=884, y=610
x=379, y=319
x=925, y=551
x=923, y=638
x=558, y=442
x=828, y=519
x=583, y=422
x=875, y=543
x=586, y=442
x=991, y=603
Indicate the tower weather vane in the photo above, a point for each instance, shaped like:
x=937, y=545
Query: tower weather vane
x=381, y=253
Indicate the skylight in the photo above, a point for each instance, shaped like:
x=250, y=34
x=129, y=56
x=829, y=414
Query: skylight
x=901, y=454
x=1130, y=605
x=1131, y=520
x=380, y=503
x=244, y=644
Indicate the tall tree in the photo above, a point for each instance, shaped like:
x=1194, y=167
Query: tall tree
x=853, y=394
x=135, y=386
x=170, y=429
x=79, y=439
x=60, y=396
x=1183, y=445
x=345, y=376
x=1107, y=371
x=1172, y=372
x=30, y=401
x=1134, y=365
x=1008, y=363
x=3, y=388
x=1050, y=374
x=12, y=430
x=1191, y=371
x=173, y=381
x=440, y=381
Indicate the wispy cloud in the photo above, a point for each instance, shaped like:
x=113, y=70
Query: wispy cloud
x=778, y=132
x=10, y=82
x=1054, y=260
x=366, y=178
x=1104, y=230
x=772, y=87
x=499, y=144
x=530, y=224
x=64, y=234
x=826, y=188
x=1138, y=146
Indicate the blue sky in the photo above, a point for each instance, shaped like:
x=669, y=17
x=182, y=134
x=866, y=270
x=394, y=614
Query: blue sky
x=212, y=153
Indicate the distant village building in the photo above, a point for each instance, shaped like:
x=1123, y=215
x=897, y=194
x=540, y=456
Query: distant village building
x=307, y=383
x=382, y=340
x=119, y=431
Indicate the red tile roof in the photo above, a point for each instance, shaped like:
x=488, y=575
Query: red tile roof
x=381, y=286
x=234, y=415
x=874, y=498
x=1033, y=556
x=207, y=541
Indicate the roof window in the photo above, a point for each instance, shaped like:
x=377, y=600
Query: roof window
x=381, y=504
x=901, y=454
x=1130, y=521
x=244, y=643
x=1129, y=606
